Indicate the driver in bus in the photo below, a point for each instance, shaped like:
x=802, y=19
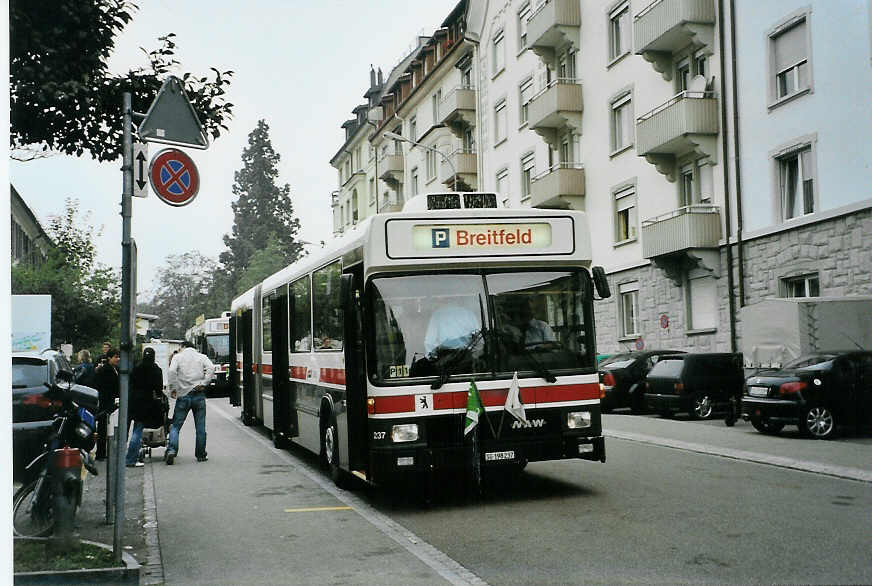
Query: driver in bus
x=525, y=329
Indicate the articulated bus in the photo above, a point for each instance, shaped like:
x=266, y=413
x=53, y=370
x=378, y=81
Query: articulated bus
x=366, y=353
x=212, y=338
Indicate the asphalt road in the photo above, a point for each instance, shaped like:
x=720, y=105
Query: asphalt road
x=653, y=513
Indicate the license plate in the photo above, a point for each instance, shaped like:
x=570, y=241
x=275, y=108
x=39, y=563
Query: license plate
x=758, y=391
x=492, y=456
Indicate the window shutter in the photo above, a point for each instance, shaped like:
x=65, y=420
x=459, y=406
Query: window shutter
x=703, y=303
x=790, y=47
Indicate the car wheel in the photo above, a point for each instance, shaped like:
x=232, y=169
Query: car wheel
x=330, y=451
x=818, y=422
x=766, y=426
x=702, y=407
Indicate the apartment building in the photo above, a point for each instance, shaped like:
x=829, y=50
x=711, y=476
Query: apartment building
x=717, y=146
x=30, y=243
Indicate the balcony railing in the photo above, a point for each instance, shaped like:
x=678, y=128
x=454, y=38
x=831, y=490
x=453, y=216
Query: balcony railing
x=665, y=129
x=557, y=186
x=558, y=104
x=458, y=106
x=693, y=226
x=464, y=160
x=670, y=25
x=553, y=23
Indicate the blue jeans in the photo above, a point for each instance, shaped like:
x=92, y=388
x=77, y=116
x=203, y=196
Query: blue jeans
x=135, y=442
x=197, y=404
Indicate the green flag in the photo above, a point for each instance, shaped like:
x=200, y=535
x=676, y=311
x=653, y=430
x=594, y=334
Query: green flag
x=473, y=408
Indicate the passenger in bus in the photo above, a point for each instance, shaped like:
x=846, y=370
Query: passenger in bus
x=451, y=327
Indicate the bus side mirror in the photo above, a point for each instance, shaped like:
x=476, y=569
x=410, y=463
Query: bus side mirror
x=601, y=283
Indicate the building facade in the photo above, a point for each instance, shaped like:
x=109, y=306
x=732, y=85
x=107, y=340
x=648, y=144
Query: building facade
x=30, y=243
x=717, y=146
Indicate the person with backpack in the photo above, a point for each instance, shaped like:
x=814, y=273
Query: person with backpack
x=146, y=407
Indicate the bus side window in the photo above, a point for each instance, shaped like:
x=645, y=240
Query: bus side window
x=300, y=316
x=327, y=307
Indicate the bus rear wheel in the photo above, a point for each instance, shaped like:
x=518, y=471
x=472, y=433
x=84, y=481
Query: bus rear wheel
x=330, y=452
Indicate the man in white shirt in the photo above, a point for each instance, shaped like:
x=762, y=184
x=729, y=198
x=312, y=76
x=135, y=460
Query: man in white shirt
x=188, y=376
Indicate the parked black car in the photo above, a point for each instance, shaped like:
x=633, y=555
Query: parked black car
x=697, y=383
x=32, y=410
x=817, y=393
x=622, y=378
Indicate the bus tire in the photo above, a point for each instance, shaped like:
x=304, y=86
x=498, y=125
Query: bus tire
x=330, y=451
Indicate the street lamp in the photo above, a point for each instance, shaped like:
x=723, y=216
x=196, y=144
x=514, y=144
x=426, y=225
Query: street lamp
x=395, y=136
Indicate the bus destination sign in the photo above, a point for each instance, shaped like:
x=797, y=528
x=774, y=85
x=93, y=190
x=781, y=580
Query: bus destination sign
x=482, y=237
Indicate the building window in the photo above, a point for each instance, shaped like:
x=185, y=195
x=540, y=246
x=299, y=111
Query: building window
x=372, y=191
x=789, y=58
x=469, y=139
x=685, y=185
x=414, y=181
x=619, y=31
x=682, y=75
x=354, y=213
x=500, y=121
x=566, y=65
x=413, y=128
x=629, y=309
x=523, y=16
x=525, y=92
x=625, y=214
x=466, y=77
x=802, y=286
x=431, y=164
x=796, y=175
x=528, y=170
x=437, y=97
x=622, y=122
x=503, y=185
x=499, y=57
x=702, y=301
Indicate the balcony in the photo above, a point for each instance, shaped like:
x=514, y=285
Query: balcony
x=694, y=226
x=554, y=108
x=668, y=26
x=687, y=123
x=555, y=23
x=457, y=109
x=560, y=187
x=390, y=168
x=465, y=168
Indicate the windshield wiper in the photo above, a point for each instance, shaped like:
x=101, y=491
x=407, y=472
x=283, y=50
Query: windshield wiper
x=445, y=362
x=539, y=368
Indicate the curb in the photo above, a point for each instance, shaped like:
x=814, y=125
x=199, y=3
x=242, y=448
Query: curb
x=129, y=574
x=152, y=571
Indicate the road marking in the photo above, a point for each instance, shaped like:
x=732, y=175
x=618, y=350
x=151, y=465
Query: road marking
x=446, y=567
x=316, y=509
x=760, y=458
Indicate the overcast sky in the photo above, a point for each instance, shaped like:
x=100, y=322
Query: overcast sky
x=301, y=66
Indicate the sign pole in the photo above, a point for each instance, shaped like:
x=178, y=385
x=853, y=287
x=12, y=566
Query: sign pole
x=127, y=310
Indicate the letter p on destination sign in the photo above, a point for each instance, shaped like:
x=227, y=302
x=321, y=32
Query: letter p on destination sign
x=441, y=237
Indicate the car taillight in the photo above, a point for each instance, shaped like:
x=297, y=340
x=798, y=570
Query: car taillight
x=792, y=388
x=679, y=388
x=41, y=401
x=609, y=380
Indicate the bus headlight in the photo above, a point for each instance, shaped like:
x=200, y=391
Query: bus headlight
x=407, y=432
x=578, y=419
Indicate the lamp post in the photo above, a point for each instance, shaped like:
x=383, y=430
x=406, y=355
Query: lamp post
x=395, y=136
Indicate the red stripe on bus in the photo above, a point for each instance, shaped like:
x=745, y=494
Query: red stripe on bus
x=493, y=397
x=266, y=369
x=297, y=372
x=334, y=376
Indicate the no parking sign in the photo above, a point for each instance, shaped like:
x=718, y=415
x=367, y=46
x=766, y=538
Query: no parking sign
x=174, y=177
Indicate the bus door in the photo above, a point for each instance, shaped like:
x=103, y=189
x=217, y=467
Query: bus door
x=248, y=410
x=282, y=428
x=355, y=377
x=233, y=374
x=266, y=370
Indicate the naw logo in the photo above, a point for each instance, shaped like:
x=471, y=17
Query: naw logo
x=531, y=423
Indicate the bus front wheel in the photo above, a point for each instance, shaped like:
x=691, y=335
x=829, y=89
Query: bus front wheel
x=330, y=451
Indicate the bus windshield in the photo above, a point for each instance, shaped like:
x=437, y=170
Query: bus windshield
x=487, y=325
x=218, y=348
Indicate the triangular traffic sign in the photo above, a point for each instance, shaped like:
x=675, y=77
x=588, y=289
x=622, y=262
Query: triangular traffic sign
x=171, y=119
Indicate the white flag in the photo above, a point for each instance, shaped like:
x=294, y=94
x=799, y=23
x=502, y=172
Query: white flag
x=513, y=401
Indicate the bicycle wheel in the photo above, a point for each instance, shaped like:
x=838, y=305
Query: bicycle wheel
x=28, y=520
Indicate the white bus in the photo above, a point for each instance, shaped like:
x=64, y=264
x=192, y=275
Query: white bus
x=212, y=338
x=365, y=352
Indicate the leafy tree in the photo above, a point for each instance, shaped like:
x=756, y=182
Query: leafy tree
x=263, y=263
x=63, y=97
x=183, y=292
x=85, y=296
x=263, y=211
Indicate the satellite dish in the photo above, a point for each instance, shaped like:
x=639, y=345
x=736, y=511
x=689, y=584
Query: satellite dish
x=696, y=85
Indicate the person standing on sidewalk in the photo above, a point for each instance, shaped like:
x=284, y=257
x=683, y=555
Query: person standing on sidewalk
x=188, y=376
x=146, y=390
x=106, y=382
